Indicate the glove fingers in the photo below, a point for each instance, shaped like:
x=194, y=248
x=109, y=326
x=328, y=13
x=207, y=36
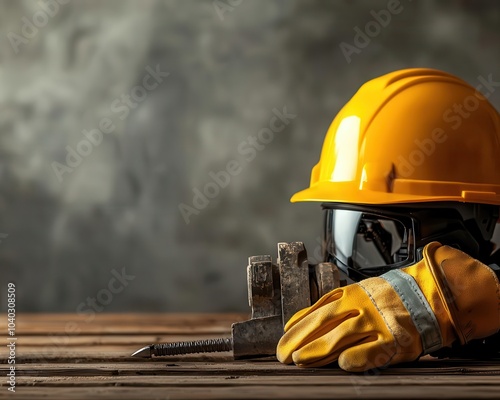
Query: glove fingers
x=326, y=299
x=308, y=330
x=323, y=345
x=366, y=356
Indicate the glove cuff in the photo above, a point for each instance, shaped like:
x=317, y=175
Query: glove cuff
x=469, y=291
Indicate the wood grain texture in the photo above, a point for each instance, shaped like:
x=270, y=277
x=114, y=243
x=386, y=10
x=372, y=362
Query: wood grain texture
x=95, y=362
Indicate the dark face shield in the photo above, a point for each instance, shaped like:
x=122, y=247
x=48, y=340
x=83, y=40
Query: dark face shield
x=365, y=241
x=364, y=244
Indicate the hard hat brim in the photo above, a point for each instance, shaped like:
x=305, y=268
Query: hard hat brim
x=348, y=192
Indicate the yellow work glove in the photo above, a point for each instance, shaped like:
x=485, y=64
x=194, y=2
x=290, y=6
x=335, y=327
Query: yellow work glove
x=398, y=316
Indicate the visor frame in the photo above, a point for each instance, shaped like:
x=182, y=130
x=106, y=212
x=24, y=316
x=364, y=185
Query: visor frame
x=352, y=274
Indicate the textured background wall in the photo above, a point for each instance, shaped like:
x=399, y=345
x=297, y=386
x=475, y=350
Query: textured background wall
x=229, y=66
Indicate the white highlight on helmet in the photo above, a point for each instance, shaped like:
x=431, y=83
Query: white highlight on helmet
x=346, y=150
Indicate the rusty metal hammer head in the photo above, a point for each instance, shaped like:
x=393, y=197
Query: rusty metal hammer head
x=275, y=293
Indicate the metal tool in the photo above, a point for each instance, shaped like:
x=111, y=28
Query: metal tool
x=275, y=293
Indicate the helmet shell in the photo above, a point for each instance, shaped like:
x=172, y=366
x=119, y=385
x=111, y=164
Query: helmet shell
x=410, y=136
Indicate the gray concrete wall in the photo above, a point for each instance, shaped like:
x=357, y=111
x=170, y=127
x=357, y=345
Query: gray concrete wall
x=63, y=240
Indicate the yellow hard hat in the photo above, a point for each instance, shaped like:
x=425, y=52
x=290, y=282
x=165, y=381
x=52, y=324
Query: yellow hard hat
x=410, y=136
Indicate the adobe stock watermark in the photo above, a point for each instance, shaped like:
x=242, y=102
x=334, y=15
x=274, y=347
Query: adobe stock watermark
x=454, y=117
x=104, y=297
x=30, y=27
x=224, y=6
x=383, y=358
x=12, y=337
x=248, y=149
x=363, y=37
x=92, y=305
x=120, y=106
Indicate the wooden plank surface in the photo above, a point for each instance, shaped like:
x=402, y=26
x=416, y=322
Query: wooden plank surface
x=55, y=360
